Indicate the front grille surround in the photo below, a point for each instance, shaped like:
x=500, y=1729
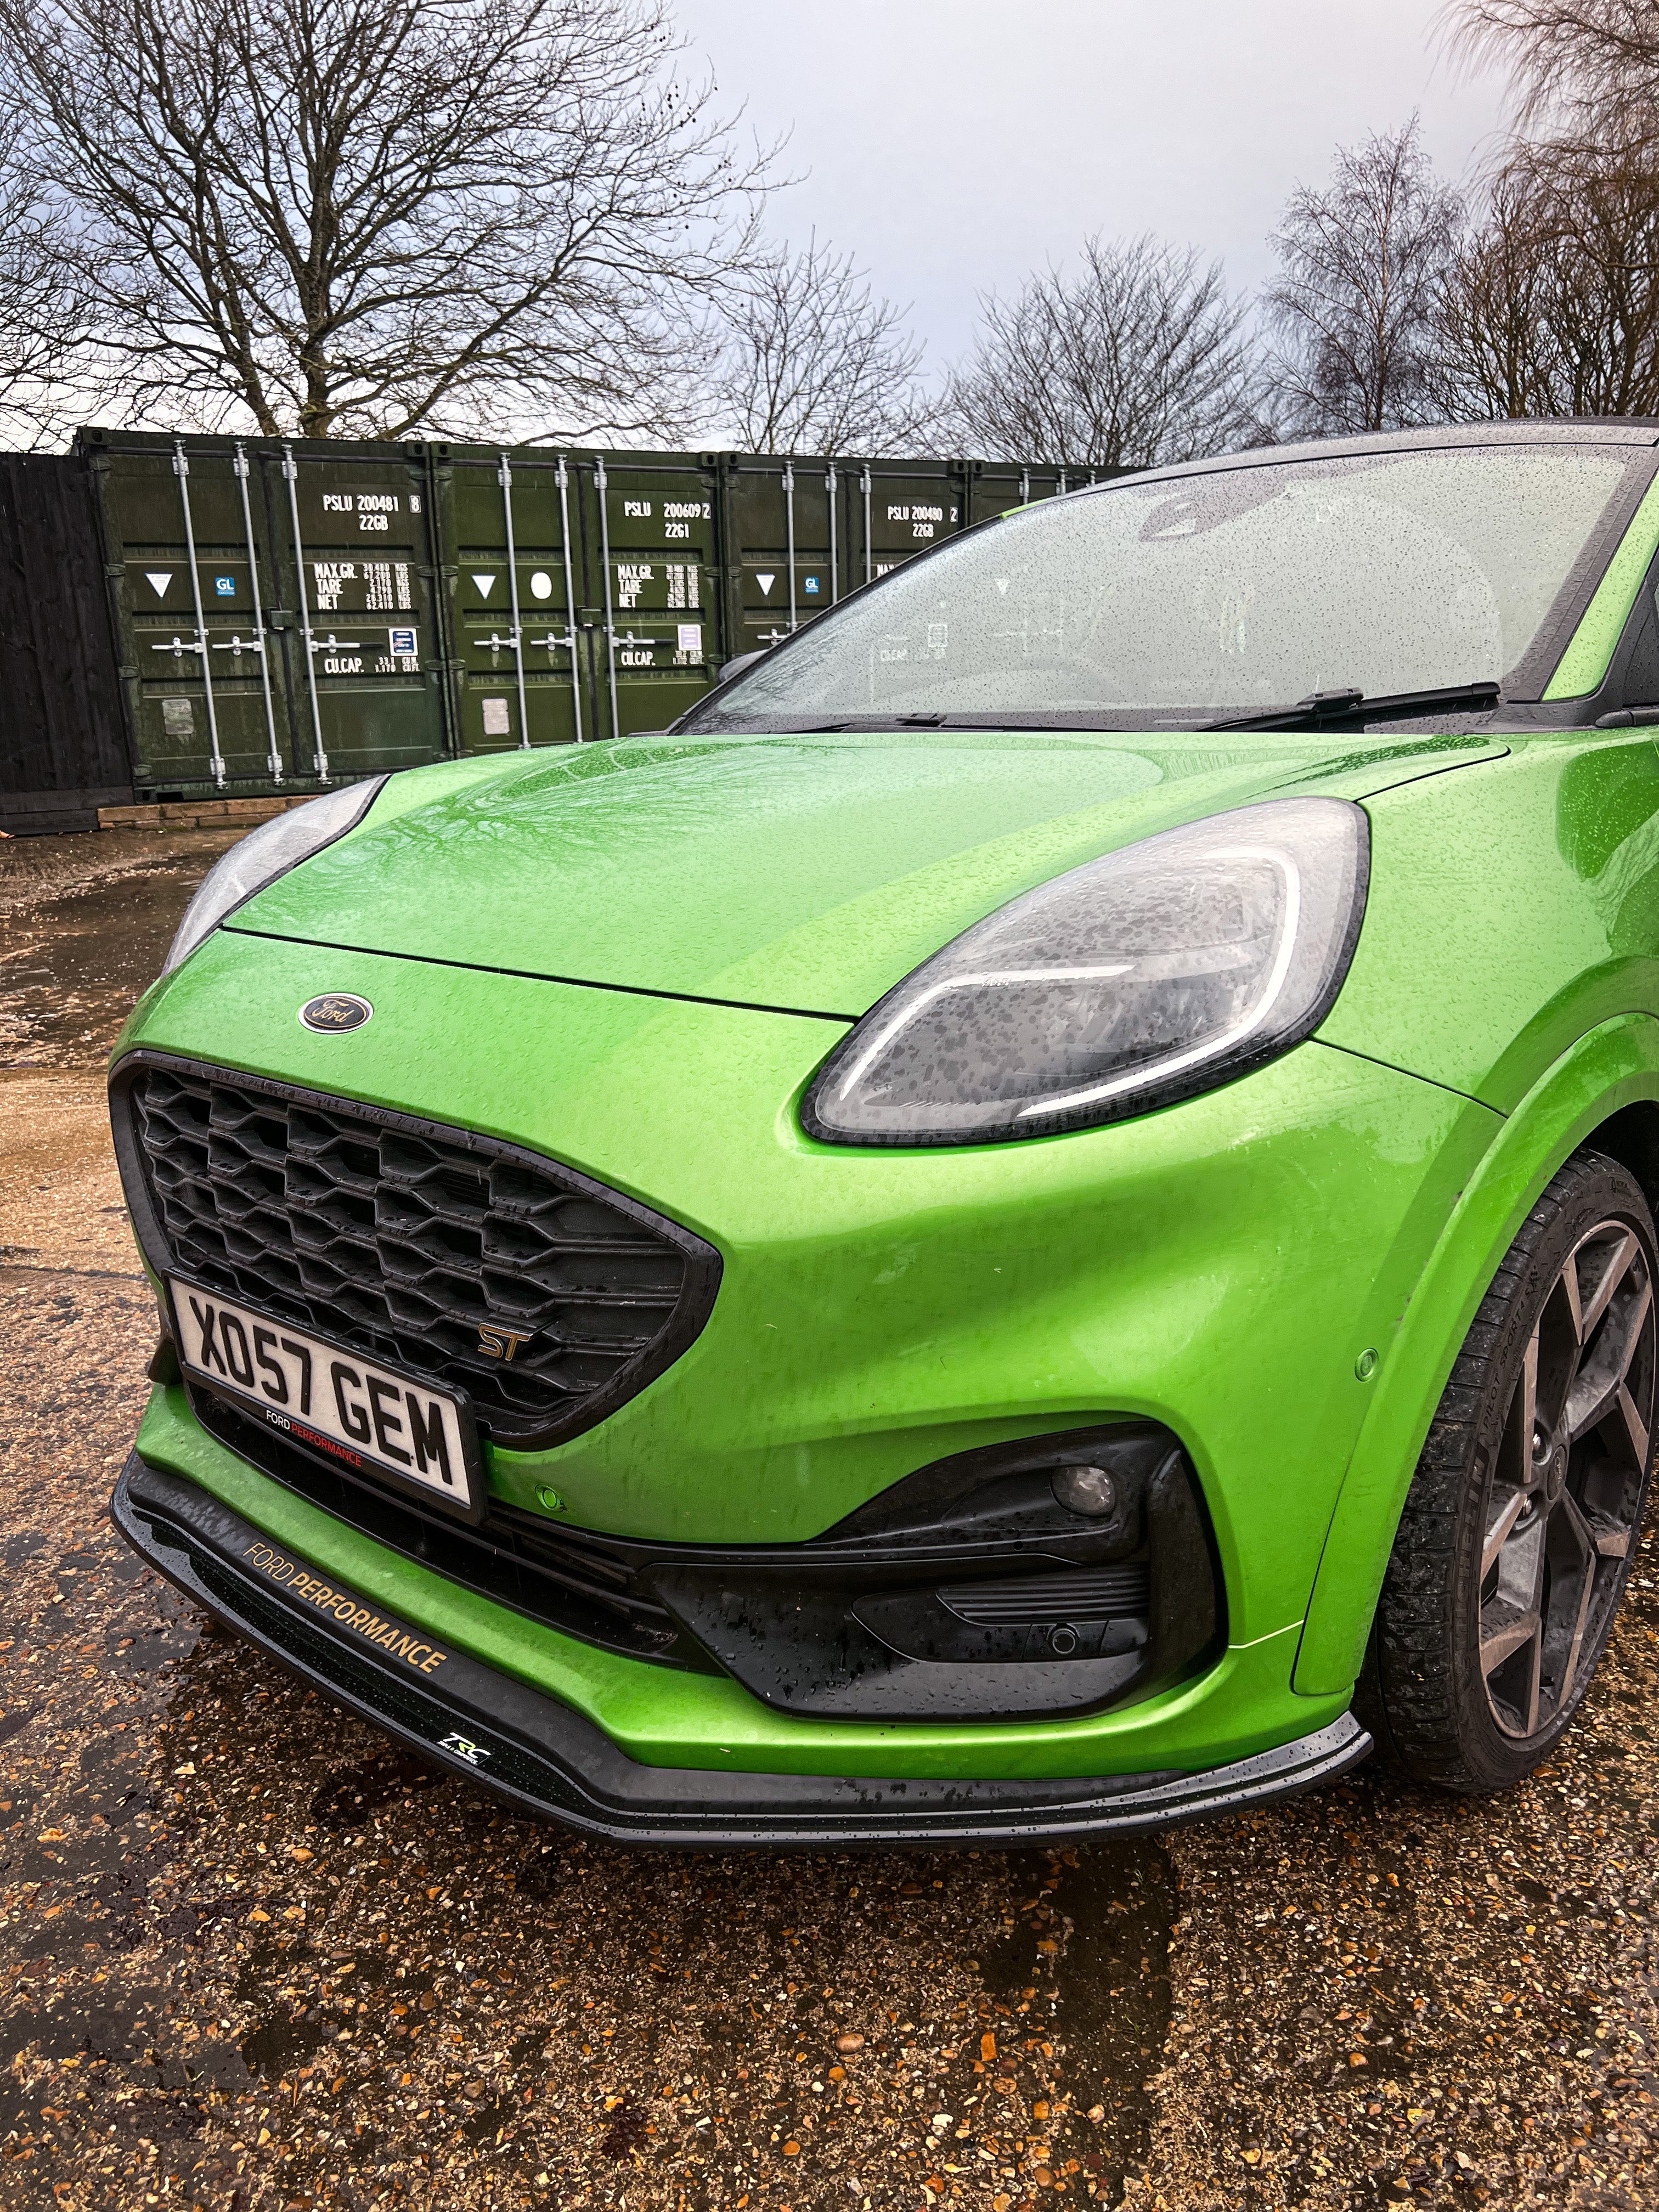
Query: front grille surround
x=402, y=1238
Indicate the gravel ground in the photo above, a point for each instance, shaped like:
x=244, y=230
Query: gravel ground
x=251, y=1957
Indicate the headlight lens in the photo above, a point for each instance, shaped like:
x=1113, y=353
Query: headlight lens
x=1138, y=979
x=263, y=854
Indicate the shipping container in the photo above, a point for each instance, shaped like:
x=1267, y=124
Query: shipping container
x=277, y=608
x=288, y=614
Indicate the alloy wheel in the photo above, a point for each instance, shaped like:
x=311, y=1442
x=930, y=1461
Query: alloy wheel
x=1566, y=1484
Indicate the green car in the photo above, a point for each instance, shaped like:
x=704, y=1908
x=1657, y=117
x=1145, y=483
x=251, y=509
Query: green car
x=1037, y=1221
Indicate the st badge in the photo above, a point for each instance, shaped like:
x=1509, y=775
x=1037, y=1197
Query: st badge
x=336, y=1011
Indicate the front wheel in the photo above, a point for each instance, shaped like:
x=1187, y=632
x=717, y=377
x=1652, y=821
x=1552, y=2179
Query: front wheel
x=1518, y=1529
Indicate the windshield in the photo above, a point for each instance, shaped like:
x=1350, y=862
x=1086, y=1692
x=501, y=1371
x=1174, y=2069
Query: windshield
x=1198, y=597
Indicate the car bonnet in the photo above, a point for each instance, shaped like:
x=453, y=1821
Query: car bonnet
x=807, y=873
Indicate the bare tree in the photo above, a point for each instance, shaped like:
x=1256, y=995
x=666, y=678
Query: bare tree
x=1566, y=260
x=811, y=363
x=1139, y=358
x=367, y=218
x=1496, y=353
x=44, y=344
x=1588, y=68
x=1551, y=307
x=1361, y=266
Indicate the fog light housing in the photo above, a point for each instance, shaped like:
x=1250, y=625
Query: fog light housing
x=1088, y=1490
x=1040, y=1577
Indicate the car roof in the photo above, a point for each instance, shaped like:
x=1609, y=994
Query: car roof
x=1573, y=430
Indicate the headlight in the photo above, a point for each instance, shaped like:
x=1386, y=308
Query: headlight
x=1134, y=981
x=263, y=854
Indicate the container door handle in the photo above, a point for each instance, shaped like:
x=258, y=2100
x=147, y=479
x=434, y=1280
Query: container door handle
x=273, y=756
x=181, y=470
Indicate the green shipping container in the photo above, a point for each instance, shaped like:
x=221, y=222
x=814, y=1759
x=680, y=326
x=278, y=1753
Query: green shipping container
x=292, y=614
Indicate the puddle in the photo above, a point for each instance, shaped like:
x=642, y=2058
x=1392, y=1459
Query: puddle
x=1110, y=1907
x=85, y=923
x=349, y=1798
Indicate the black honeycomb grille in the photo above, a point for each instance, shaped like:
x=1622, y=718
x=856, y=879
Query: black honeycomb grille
x=402, y=1239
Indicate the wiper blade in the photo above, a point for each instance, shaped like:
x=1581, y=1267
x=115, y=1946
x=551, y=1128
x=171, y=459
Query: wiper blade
x=874, y=725
x=1349, y=710
x=861, y=722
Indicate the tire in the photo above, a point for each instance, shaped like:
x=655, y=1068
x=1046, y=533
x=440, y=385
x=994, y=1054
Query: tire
x=1521, y=1519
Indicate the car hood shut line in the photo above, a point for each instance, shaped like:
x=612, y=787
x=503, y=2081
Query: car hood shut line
x=793, y=874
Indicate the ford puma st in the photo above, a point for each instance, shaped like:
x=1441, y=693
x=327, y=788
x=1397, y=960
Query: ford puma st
x=1038, y=1220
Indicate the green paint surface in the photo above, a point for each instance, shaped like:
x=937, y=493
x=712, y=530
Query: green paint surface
x=805, y=872
x=1590, y=650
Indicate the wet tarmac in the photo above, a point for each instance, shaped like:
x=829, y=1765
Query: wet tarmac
x=85, y=923
x=251, y=1957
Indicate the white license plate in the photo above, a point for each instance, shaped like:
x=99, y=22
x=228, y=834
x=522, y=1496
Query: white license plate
x=356, y=1412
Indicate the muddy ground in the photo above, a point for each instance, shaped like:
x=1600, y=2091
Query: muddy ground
x=251, y=1958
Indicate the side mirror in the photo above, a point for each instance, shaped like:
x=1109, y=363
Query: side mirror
x=736, y=667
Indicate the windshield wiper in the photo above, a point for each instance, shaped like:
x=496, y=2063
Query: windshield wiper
x=867, y=722
x=1060, y=721
x=1352, y=710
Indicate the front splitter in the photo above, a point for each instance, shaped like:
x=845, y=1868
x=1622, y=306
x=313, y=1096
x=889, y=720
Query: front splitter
x=548, y=1761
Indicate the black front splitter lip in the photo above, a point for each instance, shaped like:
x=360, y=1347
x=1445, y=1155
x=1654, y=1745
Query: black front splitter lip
x=550, y=1762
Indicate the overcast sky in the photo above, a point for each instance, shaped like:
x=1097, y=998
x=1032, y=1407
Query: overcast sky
x=955, y=144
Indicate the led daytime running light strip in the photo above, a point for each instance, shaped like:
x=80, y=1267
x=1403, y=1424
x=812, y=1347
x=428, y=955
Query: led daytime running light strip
x=1172, y=1063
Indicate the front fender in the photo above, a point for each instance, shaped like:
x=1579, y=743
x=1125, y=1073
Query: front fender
x=1615, y=1065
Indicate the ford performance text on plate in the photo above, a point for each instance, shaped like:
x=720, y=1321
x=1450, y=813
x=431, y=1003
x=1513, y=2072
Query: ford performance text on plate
x=1039, y=1220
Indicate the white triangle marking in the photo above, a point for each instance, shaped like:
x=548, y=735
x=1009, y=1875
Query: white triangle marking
x=483, y=583
x=158, y=580
x=1002, y=586
x=766, y=582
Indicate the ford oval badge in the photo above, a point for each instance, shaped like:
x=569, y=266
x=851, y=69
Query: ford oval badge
x=335, y=1011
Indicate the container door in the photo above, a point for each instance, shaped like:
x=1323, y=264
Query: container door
x=188, y=530
x=658, y=548
x=997, y=487
x=902, y=510
x=364, y=648
x=788, y=545
x=512, y=561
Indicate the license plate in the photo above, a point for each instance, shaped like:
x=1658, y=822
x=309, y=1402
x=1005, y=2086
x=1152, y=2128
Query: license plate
x=366, y=1418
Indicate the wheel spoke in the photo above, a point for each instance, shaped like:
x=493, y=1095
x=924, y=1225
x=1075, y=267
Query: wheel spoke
x=1515, y=1453
x=1633, y=1425
x=1582, y=1534
x=1637, y=1324
x=1506, y=1638
x=1534, y=1681
x=1505, y=1512
x=1607, y=1283
x=1602, y=1376
x=1561, y=1347
x=1574, y=1303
